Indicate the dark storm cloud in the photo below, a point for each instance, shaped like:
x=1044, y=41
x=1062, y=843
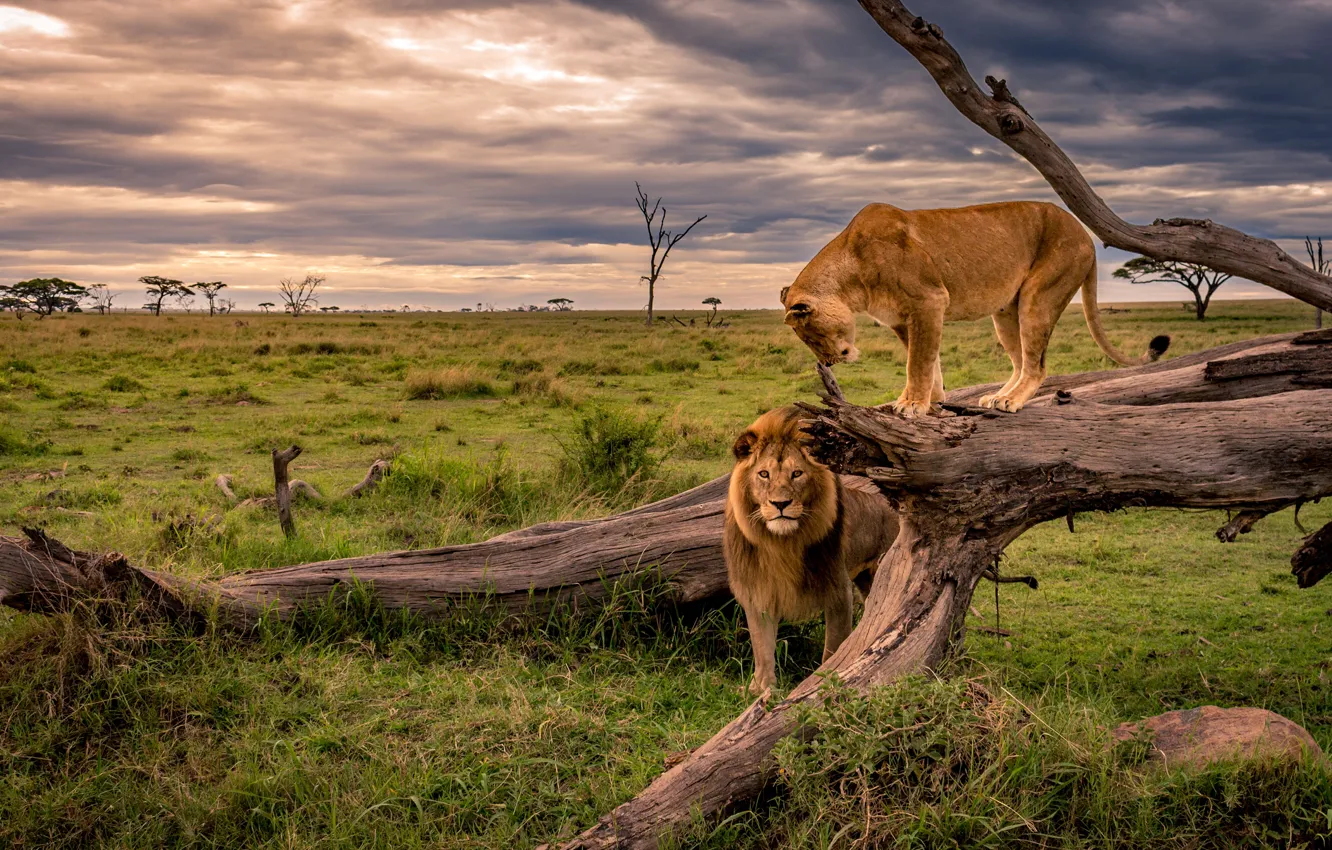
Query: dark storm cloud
x=449, y=147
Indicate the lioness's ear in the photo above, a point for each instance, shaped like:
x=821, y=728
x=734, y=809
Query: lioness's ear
x=798, y=312
x=744, y=445
x=785, y=289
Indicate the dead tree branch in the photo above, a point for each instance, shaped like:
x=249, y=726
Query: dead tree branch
x=376, y=474
x=282, y=487
x=1190, y=240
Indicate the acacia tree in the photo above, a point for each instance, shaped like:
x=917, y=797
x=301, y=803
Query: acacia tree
x=102, y=296
x=299, y=296
x=660, y=239
x=715, y=302
x=1196, y=278
x=159, y=289
x=42, y=296
x=266, y=305
x=210, y=291
x=561, y=304
x=1321, y=266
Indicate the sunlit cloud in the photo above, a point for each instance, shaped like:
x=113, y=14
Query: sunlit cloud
x=15, y=19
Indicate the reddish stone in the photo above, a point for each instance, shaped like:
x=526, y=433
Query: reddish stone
x=1200, y=736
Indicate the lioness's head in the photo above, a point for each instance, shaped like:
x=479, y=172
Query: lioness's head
x=776, y=485
x=824, y=324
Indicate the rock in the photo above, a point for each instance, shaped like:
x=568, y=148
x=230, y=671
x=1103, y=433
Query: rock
x=1201, y=736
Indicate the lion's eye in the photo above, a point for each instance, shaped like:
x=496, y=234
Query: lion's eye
x=796, y=474
x=763, y=473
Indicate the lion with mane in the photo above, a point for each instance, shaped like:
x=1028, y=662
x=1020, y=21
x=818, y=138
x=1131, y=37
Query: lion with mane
x=796, y=537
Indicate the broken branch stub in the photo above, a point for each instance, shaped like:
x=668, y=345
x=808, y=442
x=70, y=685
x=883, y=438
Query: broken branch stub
x=282, y=487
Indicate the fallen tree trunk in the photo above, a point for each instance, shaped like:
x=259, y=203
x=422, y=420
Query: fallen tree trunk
x=966, y=487
x=680, y=537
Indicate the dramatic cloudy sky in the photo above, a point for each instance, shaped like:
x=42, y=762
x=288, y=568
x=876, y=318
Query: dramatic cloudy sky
x=445, y=152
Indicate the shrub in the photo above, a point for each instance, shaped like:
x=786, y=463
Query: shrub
x=234, y=394
x=611, y=450
x=521, y=367
x=454, y=382
x=674, y=364
x=122, y=384
x=17, y=365
x=589, y=367
x=76, y=400
x=13, y=443
x=263, y=349
x=488, y=494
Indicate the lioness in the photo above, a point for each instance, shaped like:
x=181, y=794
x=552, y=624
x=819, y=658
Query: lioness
x=1019, y=262
x=795, y=537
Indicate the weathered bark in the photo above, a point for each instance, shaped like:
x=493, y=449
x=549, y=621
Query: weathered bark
x=999, y=114
x=376, y=474
x=282, y=487
x=224, y=484
x=1268, y=365
x=680, y=537
x=1313, y=560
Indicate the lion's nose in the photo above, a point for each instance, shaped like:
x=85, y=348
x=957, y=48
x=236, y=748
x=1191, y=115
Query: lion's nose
x=780, y=506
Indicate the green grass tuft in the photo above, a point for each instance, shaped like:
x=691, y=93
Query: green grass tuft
x=454, y=382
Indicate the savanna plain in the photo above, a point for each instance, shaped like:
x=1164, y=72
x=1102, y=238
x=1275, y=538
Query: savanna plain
x=349, y=726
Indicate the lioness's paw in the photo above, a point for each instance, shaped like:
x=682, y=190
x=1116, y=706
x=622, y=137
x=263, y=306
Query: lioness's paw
x=910, y=408
x=987, y=400
x=759, y=688
x=1008, y=405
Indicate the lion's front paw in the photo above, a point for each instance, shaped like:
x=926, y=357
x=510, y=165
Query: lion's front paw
x=911, y=407
x=1001, y=402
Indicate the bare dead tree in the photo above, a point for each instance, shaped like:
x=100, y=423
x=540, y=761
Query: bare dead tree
x=210, y=290
x=101, y=296
x=660, y=239
x=1198, y=279
x=299, y=296
x=1319, y=265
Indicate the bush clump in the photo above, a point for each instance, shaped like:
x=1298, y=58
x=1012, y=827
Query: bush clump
x=14, y=443
x=612, y=452
x=453, y=382
x=122, y=384
x=576, y=368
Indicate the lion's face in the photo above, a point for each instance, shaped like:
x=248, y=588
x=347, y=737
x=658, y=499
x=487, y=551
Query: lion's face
x=827, y=326
x=783, y=484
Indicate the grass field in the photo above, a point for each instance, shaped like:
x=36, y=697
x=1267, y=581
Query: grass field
x=350, y=728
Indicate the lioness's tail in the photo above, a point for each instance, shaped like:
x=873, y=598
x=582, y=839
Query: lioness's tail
x=1092, y=314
